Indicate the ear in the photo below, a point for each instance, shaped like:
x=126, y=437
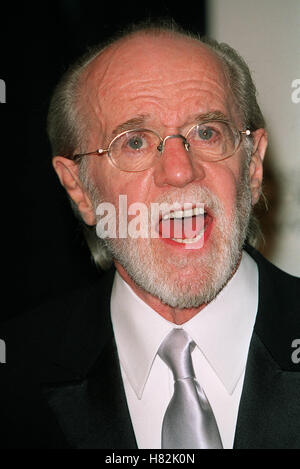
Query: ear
x=67, y=172
x=260, y=143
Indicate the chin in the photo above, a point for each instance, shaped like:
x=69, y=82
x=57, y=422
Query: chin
x=177, y=280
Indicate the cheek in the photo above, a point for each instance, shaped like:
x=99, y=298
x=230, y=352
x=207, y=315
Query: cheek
x=112, y=183
x=228, y=195
x=224, y=184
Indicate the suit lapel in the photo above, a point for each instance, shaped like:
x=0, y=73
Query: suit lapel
x=93, y=412
x=82, y=383
x=269, y=412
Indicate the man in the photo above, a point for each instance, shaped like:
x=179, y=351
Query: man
x=165, y=120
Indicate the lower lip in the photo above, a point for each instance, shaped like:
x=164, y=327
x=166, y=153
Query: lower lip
x=197, y=244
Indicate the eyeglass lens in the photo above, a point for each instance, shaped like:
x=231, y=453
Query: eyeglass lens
x=136, y=150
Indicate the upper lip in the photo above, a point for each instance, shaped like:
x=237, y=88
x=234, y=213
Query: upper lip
x=196, y=209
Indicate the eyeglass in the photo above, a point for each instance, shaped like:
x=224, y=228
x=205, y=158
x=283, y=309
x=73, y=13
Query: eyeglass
x=139, y=149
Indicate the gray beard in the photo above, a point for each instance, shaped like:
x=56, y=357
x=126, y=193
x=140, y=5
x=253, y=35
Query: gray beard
x=212, y=269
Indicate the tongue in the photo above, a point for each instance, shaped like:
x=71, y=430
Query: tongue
x=182, y=228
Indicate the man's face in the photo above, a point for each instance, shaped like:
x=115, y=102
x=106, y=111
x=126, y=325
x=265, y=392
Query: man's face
x=163, y=83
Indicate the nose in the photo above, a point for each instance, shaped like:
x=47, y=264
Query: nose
x=175, y=167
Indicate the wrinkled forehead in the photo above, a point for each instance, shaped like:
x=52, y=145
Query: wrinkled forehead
x=151, y=61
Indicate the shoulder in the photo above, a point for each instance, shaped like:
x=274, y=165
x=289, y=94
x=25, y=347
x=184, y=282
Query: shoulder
x=278, y=319
x=41, y=330
x=54, y=344
x=282, y=283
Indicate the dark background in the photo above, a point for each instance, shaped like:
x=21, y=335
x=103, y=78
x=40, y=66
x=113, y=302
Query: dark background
x=43, y=250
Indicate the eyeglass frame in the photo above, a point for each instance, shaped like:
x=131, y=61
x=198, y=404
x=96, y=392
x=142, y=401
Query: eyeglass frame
x=160, y=147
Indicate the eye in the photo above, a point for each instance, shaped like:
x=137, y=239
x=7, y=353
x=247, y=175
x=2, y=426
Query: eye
x=204, y=133
x=208, y=136
x=137, y=145
x=136, y=142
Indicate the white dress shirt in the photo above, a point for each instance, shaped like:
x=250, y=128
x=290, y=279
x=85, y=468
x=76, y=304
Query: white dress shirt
x=222, y=333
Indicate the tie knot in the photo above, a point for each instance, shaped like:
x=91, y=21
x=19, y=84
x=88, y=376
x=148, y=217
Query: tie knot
x=175, y=351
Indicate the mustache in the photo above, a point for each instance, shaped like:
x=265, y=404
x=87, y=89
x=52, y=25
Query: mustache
x=192, y=195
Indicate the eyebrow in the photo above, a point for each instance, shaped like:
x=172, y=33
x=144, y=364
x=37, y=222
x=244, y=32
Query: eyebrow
x=131, y=124
x=139, y=121
x=211, y=116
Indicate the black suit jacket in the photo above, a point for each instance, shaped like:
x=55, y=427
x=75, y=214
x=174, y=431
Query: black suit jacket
x=61, y=385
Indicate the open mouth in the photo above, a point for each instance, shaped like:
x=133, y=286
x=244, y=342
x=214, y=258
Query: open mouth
x=184, y=227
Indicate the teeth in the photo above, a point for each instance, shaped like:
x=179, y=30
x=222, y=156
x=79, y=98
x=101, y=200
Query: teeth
x=184, y=213
x=189, y=240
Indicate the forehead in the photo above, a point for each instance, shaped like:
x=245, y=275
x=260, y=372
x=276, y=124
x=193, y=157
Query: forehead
x=168, y=77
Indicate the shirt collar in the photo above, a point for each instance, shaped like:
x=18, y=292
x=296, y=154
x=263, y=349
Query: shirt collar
x=222, y=330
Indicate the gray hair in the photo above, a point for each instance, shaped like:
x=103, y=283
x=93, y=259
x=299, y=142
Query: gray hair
x=68, y=125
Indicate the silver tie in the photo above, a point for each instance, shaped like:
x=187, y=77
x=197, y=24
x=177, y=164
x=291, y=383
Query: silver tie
x=189, y=422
